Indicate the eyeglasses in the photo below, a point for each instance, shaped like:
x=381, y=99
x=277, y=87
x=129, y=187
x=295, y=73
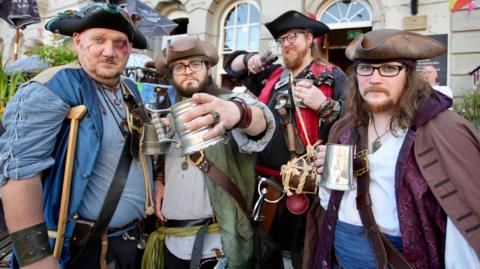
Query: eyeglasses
x=180, y=68
x=290, y=37
x=384, y=70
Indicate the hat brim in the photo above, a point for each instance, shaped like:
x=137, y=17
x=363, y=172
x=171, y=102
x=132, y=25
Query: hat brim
x=67, y=25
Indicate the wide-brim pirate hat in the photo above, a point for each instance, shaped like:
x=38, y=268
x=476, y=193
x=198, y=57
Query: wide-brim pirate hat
x=295, y=20
x=391, y=44
x=97, y=15
x=186, y=47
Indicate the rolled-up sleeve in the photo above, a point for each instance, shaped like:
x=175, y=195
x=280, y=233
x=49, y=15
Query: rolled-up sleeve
x=32, y=120
x=245, y=142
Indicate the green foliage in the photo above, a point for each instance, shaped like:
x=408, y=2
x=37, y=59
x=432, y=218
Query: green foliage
x=468, y=106
x=55, y=55
x=8, y=86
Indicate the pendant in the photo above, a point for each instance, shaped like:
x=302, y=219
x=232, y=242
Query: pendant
x=184, y=165
x=376, y=144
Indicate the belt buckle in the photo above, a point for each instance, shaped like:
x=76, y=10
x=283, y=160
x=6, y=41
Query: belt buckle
x=360, y=163
x=199, y=161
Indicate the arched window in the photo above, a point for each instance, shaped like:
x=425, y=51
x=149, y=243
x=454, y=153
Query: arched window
x=347, y=14
x=241, y=28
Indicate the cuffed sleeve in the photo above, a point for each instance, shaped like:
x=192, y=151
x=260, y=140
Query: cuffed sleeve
x=32, y=120
x=245, y=142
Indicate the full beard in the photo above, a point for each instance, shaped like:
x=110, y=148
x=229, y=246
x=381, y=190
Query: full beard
x=190, y=90
x=295, y=60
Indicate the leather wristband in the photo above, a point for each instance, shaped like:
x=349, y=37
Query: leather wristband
x=245, y=113
x=247, y=57
x=31, y=244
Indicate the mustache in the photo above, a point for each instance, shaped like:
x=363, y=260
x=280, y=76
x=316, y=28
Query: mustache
x=377, y=89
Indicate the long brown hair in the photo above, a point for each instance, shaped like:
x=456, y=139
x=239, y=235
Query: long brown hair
x=415, y=92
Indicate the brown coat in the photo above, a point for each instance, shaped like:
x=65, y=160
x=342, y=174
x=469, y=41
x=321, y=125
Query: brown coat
x=447, y=150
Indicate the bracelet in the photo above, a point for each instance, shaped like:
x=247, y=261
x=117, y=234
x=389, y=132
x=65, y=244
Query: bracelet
x=31, y=244
x=247, y=57
x=245, y=113
x=329, y=110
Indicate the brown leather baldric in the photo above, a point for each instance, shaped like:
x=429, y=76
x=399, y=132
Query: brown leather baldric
x=206, y=166
x=384, y=251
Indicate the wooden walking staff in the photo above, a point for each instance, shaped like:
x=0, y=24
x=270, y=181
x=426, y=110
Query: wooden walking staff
x=75, y=115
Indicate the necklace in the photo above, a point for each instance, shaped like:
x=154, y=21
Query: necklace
x=377, y=143
x=112, y=107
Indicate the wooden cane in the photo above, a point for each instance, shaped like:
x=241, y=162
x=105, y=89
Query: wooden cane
x=75, y=115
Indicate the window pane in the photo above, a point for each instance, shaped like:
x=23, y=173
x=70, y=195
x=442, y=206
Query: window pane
x=242, y=38
x=242, y=13
x=230, y=18
x=254, y=38
x=228, y=42
x=254, y=14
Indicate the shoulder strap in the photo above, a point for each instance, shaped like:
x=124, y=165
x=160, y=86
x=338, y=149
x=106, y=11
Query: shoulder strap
x=111, y=200
x=205, y=165
x=383, y=250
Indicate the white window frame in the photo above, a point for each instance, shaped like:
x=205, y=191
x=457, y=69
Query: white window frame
x=235, y=26
x=348, y=24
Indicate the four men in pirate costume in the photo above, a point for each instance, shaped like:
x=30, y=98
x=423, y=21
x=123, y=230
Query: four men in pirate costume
x=303, y=114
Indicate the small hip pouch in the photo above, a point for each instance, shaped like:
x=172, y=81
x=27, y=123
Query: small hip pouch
x=82, y=232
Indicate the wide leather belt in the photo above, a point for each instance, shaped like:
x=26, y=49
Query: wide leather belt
x=189, y=222
x=125, y=227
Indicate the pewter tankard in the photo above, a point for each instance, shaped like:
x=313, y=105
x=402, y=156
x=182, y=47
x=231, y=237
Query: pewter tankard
x=190, y=141
x=338, y=168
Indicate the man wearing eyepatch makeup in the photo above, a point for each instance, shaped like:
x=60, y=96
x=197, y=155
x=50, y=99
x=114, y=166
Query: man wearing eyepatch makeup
x=315, y=102
x=417, y=163
x=101, y=230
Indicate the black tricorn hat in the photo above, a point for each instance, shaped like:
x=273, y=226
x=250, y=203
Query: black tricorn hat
x=387, y=44
x=97, y=15
x=295, y=20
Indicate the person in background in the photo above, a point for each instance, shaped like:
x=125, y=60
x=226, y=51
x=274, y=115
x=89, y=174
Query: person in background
x=415, y=203
x=190, y=199
x=430, y=74
x=315, y=101
x=102, y=229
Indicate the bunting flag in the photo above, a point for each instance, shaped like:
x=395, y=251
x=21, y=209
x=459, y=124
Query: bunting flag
x=455, y=5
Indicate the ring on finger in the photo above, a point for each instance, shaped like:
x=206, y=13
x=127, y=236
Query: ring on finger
x=215, y=116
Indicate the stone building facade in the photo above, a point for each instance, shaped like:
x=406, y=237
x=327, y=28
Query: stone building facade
x=239, y=24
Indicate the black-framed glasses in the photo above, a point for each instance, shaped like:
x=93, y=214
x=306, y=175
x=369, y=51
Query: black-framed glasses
x=290, y=37
x=180, y=68
x=387, y=70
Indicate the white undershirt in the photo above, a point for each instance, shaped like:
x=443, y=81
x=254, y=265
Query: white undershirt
x=458, y=253
x=186, y=197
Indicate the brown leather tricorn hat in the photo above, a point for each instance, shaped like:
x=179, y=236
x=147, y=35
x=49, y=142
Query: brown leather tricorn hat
x=186, y=47
x=387, y=44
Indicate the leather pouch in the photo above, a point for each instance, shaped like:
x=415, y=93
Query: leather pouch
x=82, y=232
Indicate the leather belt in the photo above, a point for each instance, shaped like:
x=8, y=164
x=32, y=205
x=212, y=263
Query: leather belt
x=173, y=223
x=125, y=227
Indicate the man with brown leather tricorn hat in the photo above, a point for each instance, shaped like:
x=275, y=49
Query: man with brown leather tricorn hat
x=205, y=195
x=95, y=224
x=305, y=97
x=415, y=198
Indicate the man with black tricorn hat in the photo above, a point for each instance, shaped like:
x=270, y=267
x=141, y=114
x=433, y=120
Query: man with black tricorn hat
x=111, y=179
x=415, y=202
x=305, y=97
x=205, y=198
